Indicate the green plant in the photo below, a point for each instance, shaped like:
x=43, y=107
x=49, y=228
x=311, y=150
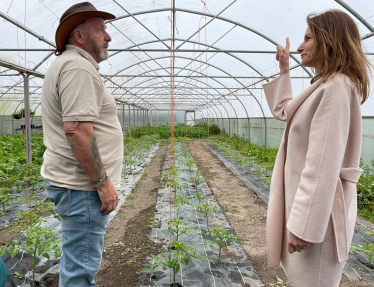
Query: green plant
x=199, y=197
x=170, y=178
x=191, y=163
x=367, y=248
x=6, y=197
x=178, y=227
x=179, y=254
x=221, y=238
x=39, y=241
x=365, y=191
x=206, y=209
x=198, y=178
x=21, y=114
x=29, y=218
x=178, y=202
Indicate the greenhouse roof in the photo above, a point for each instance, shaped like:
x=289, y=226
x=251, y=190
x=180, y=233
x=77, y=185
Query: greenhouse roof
x=195, y=55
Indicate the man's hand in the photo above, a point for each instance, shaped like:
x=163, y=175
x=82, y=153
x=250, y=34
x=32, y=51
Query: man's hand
x=283, y=56
x=81, y=137
x=108, y=196
x=296, y=244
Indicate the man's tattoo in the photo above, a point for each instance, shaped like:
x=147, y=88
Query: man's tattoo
x=96, y=156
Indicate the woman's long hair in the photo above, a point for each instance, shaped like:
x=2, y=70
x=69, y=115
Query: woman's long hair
x=338, y=49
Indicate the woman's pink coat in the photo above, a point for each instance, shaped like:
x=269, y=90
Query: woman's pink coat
x=313, y=188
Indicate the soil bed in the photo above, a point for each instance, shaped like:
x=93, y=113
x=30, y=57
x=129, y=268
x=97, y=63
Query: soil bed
x=127, y=237
x=247, y=215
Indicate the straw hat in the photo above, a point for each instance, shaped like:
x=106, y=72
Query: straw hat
x=72, y=17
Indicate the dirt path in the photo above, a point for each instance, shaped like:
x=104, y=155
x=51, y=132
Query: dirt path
x=127, y=237
x=246, y=213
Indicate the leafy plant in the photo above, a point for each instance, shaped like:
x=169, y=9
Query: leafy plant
x=367, y=248
x=198, y=178
x=199, y=197
x=365, y=191
x=206, y=209
x=221, y=238
x=170, y=178
x=21, y=114
x=191, y=163
x=39, y=241
x=31, y=217
x=179, y=254
x=6, y=197
x=178, y=227
x=178, y=202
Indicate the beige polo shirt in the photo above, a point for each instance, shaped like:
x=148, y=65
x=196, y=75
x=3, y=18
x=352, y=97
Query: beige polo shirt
x=74, y=91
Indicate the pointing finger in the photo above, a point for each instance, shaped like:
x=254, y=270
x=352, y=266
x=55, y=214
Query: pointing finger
x=287, y=44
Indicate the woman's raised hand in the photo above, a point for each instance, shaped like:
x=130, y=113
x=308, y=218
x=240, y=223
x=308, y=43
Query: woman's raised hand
x=283, y=56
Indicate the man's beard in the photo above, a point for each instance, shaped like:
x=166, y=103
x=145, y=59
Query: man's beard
x=97, y=52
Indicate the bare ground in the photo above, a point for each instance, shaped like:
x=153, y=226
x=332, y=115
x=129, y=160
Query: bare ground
x=127, y=237
x=246, y=213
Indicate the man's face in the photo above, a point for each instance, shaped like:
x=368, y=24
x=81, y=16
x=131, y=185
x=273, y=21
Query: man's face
x=96, y=39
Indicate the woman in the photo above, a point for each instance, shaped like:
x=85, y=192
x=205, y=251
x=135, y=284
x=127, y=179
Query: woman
x=313, y=197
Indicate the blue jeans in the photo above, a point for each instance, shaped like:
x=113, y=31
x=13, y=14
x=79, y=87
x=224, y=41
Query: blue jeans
x=82, y=229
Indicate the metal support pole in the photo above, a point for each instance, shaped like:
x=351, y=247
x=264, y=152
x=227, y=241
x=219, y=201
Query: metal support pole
x=133, y=116
x=129, y=118
x=27, y=117
x=123, y=118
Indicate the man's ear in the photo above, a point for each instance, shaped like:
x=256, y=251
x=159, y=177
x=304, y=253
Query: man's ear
x=79, y=36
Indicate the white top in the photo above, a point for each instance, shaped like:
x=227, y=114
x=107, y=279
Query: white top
x=74, y=91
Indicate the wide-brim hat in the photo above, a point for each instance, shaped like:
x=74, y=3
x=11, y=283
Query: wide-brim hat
x=72, y=17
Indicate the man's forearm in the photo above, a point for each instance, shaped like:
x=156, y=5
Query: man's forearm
x=82, y=140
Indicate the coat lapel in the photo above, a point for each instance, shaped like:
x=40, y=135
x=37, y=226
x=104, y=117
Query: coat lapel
x=295, y=103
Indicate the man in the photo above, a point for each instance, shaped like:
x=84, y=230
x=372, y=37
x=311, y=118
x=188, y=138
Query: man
x=84, y=141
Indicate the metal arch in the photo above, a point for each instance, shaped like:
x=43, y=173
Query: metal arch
x=210, y=77
x=354, y=13
x=28, y=30
x=210, y=15
x=245, y=109
x=198, y=98
x=201, y=82
x=135, y=45
x=193, y=42
x=207, y=114
x=135, y=95
x=215, y=113
x=230, y=102
x=140, y=23
x=198, y=87
x=227, y=101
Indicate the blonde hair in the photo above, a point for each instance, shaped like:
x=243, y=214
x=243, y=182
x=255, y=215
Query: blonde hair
x=338, y=49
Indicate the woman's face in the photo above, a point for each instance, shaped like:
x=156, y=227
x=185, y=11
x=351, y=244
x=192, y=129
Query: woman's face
x=306, y=50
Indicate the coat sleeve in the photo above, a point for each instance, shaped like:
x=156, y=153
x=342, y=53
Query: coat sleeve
x=278, y=94
x=328, y=137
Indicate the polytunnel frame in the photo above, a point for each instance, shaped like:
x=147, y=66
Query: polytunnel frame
x=197, y=98
x=173, y=10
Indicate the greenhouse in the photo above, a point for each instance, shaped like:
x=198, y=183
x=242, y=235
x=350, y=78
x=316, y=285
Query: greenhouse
x=200, y=93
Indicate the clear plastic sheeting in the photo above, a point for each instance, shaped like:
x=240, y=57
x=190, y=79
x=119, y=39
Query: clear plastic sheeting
x=224, y=51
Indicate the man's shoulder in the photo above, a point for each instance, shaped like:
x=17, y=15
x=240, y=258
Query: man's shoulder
x=71, y=60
